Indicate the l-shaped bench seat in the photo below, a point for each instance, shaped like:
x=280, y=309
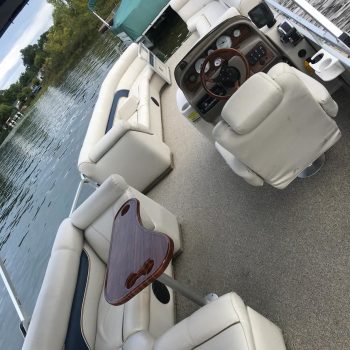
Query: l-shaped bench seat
x=125, y=133
x=71, y=312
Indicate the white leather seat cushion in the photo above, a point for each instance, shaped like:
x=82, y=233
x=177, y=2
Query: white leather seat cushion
x=139, y=341
x=203, y=26
x=316, y=89
x=128, y=108
x=212, y=11
x=188, y=8
x=207, y=323
x=237, y=166
x=252, y=103
x=106, y=326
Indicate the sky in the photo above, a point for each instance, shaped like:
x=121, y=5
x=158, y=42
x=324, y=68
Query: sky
x=33, y=20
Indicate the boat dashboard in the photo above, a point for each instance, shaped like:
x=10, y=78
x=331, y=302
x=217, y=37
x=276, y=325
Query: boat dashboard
x=220, y=62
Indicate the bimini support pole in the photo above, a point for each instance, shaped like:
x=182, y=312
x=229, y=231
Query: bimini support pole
x=83, y=180
x=102, y=20
x=15, y=299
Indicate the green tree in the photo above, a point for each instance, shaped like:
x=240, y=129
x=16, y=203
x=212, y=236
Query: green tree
x=26, y=77
x=10, y=95
x=39, y=60
x=42, y=40
x=24, y=94
x=28, y=54
x=5, y=112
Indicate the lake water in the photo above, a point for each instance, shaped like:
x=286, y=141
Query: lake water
x=38, y=173
x=39, y=177
x=338, y=11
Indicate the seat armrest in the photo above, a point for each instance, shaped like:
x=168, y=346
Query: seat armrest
x=128, y=108
x=119, y=129
x=201, y=25
x=140, y=341
x=107, y=194
x=319, y=93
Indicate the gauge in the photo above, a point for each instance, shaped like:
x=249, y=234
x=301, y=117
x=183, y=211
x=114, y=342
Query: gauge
x=224, y=42
x=236, y=33
x=198, y=65
x=217, y=62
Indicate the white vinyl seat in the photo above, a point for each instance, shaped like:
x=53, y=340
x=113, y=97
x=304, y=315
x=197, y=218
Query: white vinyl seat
x=224, y=324
x=125, y=134
x=276, y=125
x=71, y=311
x=203, y=15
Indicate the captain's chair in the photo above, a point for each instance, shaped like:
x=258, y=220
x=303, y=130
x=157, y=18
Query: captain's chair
x=202, y=15
x=276, y=125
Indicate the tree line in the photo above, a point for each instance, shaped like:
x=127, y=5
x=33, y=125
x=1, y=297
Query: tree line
x=73, y=31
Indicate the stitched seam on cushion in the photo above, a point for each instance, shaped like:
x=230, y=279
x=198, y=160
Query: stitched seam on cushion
x=244, y=332
x=82, y=308
x=215, y=335
x=99, y=233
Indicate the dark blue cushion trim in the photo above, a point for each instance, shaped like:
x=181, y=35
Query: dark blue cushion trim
x=117, y=96
x=74, y=337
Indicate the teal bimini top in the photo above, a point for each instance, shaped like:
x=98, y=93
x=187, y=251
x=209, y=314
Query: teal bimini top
x=134, y=16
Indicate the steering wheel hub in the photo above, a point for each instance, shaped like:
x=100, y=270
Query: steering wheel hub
x=228, y=76
x=224, y=72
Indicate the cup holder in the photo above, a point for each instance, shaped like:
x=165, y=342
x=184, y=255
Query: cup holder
x=326, y=66
x=325, y=63
x=317, y=59
x=161, y=292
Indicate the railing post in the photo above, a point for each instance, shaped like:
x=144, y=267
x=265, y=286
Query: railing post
x=15, y=299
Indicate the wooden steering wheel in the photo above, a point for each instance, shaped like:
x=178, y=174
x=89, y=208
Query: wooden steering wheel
x=216, y=69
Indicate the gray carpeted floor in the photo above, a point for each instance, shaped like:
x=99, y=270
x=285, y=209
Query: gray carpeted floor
x=286, y=253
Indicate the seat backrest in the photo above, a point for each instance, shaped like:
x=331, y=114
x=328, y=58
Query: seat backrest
x=96, y=214
x=188, y=8
x=121, y=81
x=280, y=131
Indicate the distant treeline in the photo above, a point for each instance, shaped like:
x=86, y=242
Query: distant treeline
x=74, y=29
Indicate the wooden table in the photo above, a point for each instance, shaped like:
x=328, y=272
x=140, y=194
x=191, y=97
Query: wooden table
x=137, y=256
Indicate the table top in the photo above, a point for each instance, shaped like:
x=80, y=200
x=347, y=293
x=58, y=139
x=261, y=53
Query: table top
x=137, y=256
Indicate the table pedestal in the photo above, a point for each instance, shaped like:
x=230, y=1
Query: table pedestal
x=186, y=291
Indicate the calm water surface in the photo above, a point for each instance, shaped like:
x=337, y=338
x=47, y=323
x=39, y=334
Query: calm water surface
x=38, y=179
x=38, y=174
x=338, y=11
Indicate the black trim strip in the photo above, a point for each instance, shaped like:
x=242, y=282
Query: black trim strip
x=345, y=38
x=216, y=334
x=74, y=338
x=117, y=96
